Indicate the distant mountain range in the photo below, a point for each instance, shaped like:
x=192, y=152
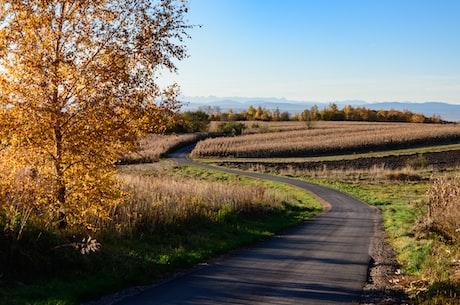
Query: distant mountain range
x=448, y=112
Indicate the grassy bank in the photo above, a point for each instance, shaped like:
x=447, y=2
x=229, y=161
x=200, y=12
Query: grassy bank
x=143, y=246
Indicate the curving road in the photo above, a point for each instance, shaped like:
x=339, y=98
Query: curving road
x=323, y=261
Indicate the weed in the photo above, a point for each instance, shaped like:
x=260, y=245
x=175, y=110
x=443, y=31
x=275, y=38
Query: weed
x=418, y=162
x=443, y=214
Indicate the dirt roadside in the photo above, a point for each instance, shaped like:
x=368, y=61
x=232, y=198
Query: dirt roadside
x=382, y=286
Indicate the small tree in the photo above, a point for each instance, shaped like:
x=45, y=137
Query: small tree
x=77, y=87
x=251, y=113
x=231, y=128
x=195, y=121
x=309, y=117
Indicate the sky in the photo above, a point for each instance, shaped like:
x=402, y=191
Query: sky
x=323, y=50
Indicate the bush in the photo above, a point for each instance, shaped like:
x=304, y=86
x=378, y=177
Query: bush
x=231, y=128
x=444, y=207
x=418, y=162
x=192, y=121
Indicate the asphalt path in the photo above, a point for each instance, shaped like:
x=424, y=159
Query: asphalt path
x=322, y=261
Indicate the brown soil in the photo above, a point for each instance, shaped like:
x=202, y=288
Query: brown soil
x=437, y=160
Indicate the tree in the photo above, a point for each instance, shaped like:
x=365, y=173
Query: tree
x=231, y=128
x=315, y=112
x=262, y=114
x=382, y=115
x=309, y=116
x=195, y=121
x=332, y=113
x=77, y=87
x=417, y=118
x=251, y=113
x=349, y=113
x=284, y=116
x=276, y=114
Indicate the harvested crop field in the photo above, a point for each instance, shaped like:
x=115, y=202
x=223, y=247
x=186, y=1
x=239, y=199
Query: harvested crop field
x=329, y=138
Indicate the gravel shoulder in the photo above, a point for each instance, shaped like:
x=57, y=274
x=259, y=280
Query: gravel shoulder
x=381, y=287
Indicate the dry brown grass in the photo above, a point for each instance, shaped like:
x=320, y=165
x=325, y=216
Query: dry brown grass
x=326, y=137
x=444, y=207
x=156, y=201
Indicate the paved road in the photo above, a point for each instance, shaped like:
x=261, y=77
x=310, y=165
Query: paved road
x=323, y=261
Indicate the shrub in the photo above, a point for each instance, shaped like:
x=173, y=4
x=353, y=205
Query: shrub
x=194, y=121
x=418, y=162
x=231, y=128
x=443, y=214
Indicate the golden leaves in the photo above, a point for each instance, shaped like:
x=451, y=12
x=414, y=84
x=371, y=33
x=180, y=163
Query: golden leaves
x=78, y=87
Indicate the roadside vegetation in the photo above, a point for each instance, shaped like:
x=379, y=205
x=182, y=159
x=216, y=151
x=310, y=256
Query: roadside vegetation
x=170, y=219
x=420, y=211
x=419, y=201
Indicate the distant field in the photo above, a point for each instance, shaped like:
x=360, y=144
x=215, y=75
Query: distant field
x=294, y=139
x=345, y=157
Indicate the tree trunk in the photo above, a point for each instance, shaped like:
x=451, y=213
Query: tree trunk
x=60, y=180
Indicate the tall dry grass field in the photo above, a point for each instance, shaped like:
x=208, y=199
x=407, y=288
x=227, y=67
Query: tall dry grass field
x=155, y=203
x=444, y=207
x=327, y=137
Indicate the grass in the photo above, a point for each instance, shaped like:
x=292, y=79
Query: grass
x=146, y=256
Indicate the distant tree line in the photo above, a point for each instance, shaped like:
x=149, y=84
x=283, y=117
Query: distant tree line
x=350, y=113
x=195, y=121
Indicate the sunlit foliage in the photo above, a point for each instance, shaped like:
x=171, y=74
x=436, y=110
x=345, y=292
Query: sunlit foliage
x=77, y=86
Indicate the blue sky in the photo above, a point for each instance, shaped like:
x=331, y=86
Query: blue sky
x=323, y=50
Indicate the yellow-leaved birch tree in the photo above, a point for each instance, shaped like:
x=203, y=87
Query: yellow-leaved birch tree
x=77, y=86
